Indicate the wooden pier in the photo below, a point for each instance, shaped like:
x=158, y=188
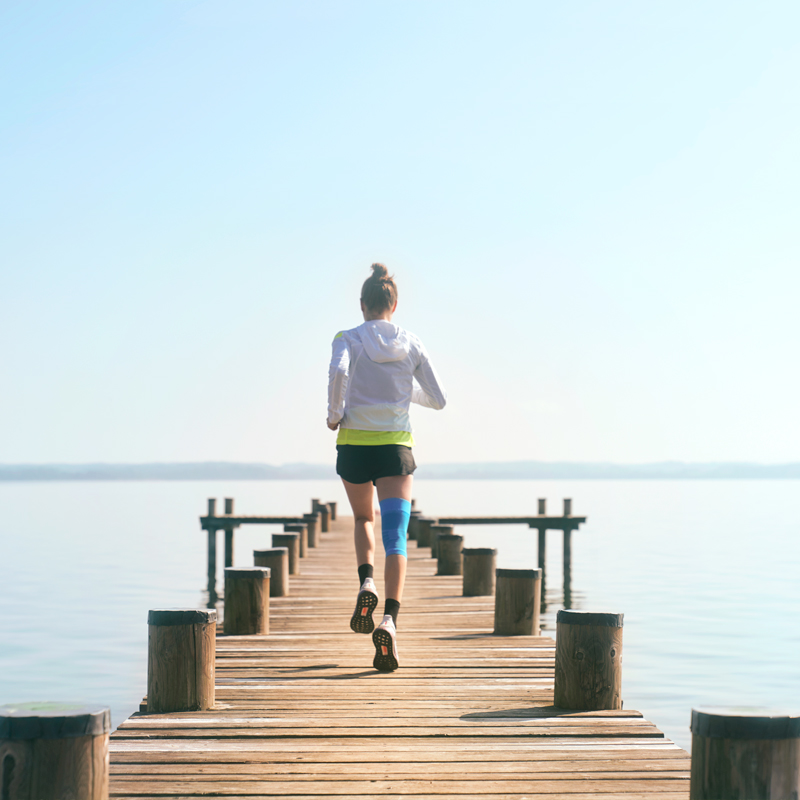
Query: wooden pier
x=300, y=713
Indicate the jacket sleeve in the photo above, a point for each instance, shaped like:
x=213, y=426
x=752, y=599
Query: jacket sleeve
x=338, y=375
x=429, y=391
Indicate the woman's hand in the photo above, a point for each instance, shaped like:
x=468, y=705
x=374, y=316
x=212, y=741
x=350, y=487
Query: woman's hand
x=333, y=425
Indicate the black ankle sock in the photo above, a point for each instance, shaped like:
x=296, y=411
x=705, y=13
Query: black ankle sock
x=393, y=609
x=364, y=572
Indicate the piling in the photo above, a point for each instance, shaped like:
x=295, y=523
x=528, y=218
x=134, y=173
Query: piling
x=246, y=601
x=181, y=648
x=567, y=507
x=291, y=541
x=542, y=503
x=588, y=660
x=478, y=570
x=277, y=559
x=413, y=527
x=324, y=514
x=229, y=534
x=212, y=547
x=517, y=602
x=332, y=507
x=751, y=753
x=312, y=523
x=424, y=531
x=449, y=554
x=301, y=529
x=436, y=532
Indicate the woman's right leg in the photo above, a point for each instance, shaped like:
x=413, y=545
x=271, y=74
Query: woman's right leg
x=362, y=501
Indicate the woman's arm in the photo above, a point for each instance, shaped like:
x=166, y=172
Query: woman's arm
x=430, y=392
x=338, y=374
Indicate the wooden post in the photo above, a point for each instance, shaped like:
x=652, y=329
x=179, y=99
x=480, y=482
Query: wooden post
x=449, y=556
x=182, y=646
x=479, y=567
x=312, y=522
x=748, y=753
x=516, y=602
x=332, y=507
x=542, y=501
x=567, y=568
x=314, y=504
x=413, y=503
x=567, y=507
x=212, y=507
x=542, y=557
x=246, y=601
x=212, y=553
x=588, y=660
x=424, y=531
x=301, y=529
x=291, y=541
x=324, y=518
x=228, y=534
x=412, y=525
x=51, y=751
x=436, y=532
x=277, y=559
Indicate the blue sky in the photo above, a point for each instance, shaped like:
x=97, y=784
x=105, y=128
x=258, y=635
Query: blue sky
x=590, y=210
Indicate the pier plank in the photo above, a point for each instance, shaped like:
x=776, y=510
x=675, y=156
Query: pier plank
x=300, y=713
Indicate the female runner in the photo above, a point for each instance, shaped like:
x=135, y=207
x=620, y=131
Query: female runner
x=377, y=370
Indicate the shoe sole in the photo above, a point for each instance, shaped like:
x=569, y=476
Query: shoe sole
x=361, y=621
x=384, y=660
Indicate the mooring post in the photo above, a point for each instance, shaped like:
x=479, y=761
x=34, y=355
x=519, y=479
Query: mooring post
x=181, y=649
x=301, y=529
x=312, y=523
x=324, y=517
x=749, y=753
x=332, y=507
x=542, y=501
x=478, y=569
x=517, y=602
x=212, y=552
x=277, y=559
x=314, y=504
x=542, y=557
x=567, y=568
x=412, y=524
x=424, y=531
x=588, y=660
x=246, y=601
x=436, y=532
x=291, y=541
x=54, y=750
x=448, y=549
x=567, y=507
x=228, y=534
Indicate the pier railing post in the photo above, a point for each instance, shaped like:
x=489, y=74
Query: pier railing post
x=517, y=602
x=54, y=750
x=291, y=541
x=744, y=753
x=450, y=560
x=478, y=569
x=301, y=529
x=436, y=532
x=246, y=601
x=277, y=559
x=228, y=533
x=332, y=507
x=312, y=523
x=182, y=646
x=588, y=660
x=542, y=504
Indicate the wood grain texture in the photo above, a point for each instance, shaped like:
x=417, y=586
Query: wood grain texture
x=291, y=541
x=448, y=554
x=469, y=714
x=588, y=666
x=478, y=571
x=277, y=559
x=517, y=602
x=246, y=601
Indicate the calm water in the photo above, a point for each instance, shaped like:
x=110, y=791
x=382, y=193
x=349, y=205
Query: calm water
x=705, y=572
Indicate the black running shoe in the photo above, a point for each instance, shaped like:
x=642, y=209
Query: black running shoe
x=385, y=641
x=366, y=603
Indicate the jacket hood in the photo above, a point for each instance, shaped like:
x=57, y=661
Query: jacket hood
x=384, y=341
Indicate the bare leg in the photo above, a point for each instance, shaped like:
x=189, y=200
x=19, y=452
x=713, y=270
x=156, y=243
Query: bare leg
x=361, y=497
x=395, y=569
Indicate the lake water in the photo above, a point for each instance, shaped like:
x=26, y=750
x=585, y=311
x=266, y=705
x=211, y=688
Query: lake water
x=705, y=572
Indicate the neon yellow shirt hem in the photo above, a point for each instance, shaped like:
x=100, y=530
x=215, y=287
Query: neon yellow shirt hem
x=351, y=436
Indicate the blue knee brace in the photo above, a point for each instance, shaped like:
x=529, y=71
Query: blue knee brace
x=395, y=513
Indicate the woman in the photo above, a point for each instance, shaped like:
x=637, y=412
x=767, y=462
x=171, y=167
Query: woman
x=377, y=370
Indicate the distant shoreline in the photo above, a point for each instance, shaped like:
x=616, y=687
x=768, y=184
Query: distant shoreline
x=511, y=470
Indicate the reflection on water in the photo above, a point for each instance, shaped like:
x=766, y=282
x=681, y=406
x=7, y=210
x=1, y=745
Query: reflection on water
x=704, y=571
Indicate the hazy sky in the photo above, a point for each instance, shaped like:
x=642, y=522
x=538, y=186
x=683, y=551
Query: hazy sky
x=591, y=209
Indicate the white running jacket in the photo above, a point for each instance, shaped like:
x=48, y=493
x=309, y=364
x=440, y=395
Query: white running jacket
x=377, y=370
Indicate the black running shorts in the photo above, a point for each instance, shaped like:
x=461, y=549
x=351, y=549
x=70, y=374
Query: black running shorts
x=365, y=463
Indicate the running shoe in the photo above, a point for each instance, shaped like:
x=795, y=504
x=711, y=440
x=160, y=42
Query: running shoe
x=366, y=603
x=385, y=641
